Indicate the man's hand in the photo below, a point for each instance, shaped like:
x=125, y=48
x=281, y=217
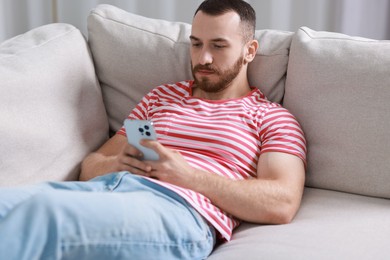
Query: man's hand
x=129, y=159
x=171, y=166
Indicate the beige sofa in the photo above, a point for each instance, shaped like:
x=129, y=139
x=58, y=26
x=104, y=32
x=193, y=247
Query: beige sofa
x=61, y=96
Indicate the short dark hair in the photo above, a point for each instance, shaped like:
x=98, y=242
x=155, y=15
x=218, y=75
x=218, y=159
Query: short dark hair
x=243, y=9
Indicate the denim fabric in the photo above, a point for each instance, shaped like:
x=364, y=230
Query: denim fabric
x=116, y=216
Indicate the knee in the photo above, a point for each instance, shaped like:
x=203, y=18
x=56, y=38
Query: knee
x=46, y=208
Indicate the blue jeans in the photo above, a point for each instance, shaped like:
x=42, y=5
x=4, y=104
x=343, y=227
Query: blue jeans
x=116, y=216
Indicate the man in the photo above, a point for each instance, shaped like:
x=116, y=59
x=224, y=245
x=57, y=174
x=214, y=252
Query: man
x=226, y=154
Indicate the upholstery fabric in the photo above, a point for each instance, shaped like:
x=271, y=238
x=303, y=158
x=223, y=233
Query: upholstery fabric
x=329, y=225
x=338, y=88
x=134, y=54
x=51, y=110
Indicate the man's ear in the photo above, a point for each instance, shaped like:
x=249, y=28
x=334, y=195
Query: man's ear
x=251, y=48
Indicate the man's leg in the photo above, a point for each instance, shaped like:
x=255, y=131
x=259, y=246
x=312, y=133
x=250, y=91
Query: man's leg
x=10, y=197
x=135, y=221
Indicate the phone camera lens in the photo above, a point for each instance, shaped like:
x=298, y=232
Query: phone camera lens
x=141, y=130
x=146, y=127
x=147, y=133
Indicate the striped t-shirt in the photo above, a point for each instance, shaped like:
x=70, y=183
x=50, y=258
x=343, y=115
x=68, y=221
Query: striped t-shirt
x=224, y=137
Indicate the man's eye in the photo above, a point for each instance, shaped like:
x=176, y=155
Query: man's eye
x=219, y=46
x=196, y=45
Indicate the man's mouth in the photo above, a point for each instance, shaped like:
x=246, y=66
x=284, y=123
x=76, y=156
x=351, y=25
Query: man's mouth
x=205, y=72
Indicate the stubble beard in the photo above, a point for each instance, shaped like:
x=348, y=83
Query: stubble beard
x=225, y=77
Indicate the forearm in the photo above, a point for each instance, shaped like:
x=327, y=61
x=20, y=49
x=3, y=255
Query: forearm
x=113, y=156
x=257, y=200
x=96, y=164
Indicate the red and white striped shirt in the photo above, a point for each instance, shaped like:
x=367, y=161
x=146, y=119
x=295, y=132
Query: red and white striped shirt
x=224, y=137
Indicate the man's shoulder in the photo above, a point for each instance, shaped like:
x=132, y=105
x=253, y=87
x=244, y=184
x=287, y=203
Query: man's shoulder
x=262, y=101
x=270, y=108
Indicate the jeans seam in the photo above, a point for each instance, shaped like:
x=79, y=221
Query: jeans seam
x=123, y=241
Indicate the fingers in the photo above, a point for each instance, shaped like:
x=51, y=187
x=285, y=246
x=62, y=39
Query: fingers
x=134, y=165
x=131, y=151
x=154, y=145
x=130, y=160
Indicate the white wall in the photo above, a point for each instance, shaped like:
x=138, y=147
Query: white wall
x=366, y=18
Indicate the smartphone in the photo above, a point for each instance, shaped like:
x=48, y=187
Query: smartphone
x=141, y=129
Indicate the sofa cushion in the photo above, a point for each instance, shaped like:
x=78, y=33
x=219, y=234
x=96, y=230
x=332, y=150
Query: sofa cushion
x=329, y=225
x=51, y=110
x=338, y=87
x=134, y=54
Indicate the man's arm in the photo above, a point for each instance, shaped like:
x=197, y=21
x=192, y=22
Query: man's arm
x=273, y=197
x=115, y=155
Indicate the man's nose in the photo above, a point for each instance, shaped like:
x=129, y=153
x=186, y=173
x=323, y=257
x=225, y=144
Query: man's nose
x=205, y=57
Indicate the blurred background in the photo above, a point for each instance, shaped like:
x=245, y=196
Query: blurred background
x=365, y=18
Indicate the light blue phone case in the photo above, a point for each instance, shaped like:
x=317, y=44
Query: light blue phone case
x=141, y=129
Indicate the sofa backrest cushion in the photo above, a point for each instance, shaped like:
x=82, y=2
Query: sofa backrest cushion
x=51, y=111
x=134, y=54
x=338, y=86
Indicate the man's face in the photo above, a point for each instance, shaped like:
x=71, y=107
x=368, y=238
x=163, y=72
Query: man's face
x=216, y=50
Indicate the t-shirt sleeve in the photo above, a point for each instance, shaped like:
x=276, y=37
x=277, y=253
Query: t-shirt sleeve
x=281, y=132
x=140, y=111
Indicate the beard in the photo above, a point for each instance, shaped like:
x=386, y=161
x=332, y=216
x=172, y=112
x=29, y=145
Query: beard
x=226, y=77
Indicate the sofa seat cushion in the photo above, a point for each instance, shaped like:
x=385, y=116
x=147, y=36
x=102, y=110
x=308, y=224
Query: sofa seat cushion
x=329, y=225
x=338, y=88
x=134, y=54
x=51, y=112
